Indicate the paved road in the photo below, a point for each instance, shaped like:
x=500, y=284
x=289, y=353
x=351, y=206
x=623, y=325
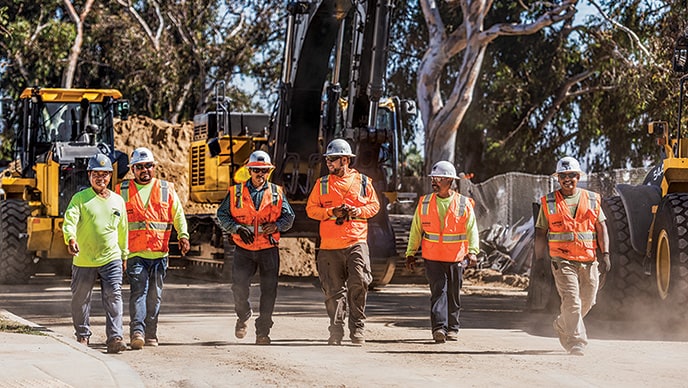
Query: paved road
x=500, y=344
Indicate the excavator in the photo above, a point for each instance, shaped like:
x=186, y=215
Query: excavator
x=59, y=130
x=331, y=86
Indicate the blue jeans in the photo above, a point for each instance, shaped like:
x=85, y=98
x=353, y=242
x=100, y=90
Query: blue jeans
x=445, y=280
x=244, y=266
x=145, y=281
x=83, y=279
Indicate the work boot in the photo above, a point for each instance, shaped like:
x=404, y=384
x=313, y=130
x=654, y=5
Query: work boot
x=334, y=340
x=116, y=345
x=263, y=340
x=240, y=329
x=576, y=350
x=357, y=337
x=452, y=336
x=151, y=341
x=440, y=336
x=136, y=341
x=82, y=340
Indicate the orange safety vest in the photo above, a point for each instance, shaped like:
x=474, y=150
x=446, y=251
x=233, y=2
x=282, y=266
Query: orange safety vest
x=150, y=226
x=353, y=229
x=451, y=243
x=244, y=212
x=572, y=238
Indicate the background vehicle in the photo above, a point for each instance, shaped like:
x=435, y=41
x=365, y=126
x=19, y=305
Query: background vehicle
x=312, y=109
x=59, y=130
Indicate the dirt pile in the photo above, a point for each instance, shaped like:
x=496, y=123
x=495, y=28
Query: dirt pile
x=170, y=145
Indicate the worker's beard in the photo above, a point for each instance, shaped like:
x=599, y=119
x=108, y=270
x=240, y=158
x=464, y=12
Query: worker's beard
x=339, y=171
x=435, y=187
x=144, y=179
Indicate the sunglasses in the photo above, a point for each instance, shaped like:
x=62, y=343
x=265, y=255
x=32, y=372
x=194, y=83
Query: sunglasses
x=570, y=175
x=258, y=170
x=332, y=159
x=146, y=166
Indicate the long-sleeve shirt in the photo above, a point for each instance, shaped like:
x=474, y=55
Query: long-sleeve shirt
x=179, y=219
x=342, y=190
x=229, y=224
x=99, y=225
x=416, y=233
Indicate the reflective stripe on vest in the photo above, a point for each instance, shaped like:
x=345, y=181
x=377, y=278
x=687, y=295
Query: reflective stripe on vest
x=245, y=213
x=150, y=225
x=572, y=237
x=324, y=187
x=448, y=243
x=164, y=191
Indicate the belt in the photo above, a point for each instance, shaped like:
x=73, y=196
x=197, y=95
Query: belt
x=557, y=260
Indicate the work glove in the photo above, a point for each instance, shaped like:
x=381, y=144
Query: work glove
x=411, y=263
x=340, y=211
x=245, y=234
x=605, y=264
x=470, y=260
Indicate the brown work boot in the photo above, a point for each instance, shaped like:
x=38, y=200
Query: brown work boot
x=577, y=350
x=240, y=329
x=334, y=340
x=116, y=345
x=151, y=341
x=262, y=340
x=452, y=336
x=82, y=340
x=357, y=337
x=440, y=336
x=136, y=341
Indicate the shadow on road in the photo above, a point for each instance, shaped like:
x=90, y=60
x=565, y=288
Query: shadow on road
x=47, y=300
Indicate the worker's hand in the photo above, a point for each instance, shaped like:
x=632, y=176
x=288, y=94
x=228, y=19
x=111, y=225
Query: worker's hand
x=124, y=265
x=471, y=260
x=73, y=247
x=354, y=211
x=340, y=211
x=539, y=268
x=184, y=245
x=605, y=264
x=411, y=263
x=269, y=228
x=246, y=235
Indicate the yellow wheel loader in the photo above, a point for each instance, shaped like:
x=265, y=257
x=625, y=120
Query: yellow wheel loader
x=58, y=131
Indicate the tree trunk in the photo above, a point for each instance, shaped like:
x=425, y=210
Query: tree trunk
x=75, y=51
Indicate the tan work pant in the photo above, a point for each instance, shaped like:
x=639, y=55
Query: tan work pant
x=577, y=284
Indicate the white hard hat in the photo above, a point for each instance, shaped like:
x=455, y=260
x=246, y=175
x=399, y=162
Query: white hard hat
x=141, y=155
x=99, y=162
x=443, y=169
x=259, y=159
x=568, y=164
x=338, y=147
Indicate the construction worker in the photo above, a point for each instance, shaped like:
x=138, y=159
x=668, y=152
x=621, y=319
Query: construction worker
x=444, y=227
x=95, y=231
x=153, y=208
x=572, y=225
x=343, y=201
x=255, y=212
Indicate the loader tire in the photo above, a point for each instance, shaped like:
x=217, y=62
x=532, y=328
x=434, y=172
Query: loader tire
x=16, y=264
x=626, y=285
x=670, y=254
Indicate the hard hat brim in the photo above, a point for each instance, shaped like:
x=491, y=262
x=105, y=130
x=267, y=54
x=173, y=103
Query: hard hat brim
x=582, y=174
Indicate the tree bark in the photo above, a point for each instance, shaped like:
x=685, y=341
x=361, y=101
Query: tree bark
x=442, y=116
x=73, y=58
